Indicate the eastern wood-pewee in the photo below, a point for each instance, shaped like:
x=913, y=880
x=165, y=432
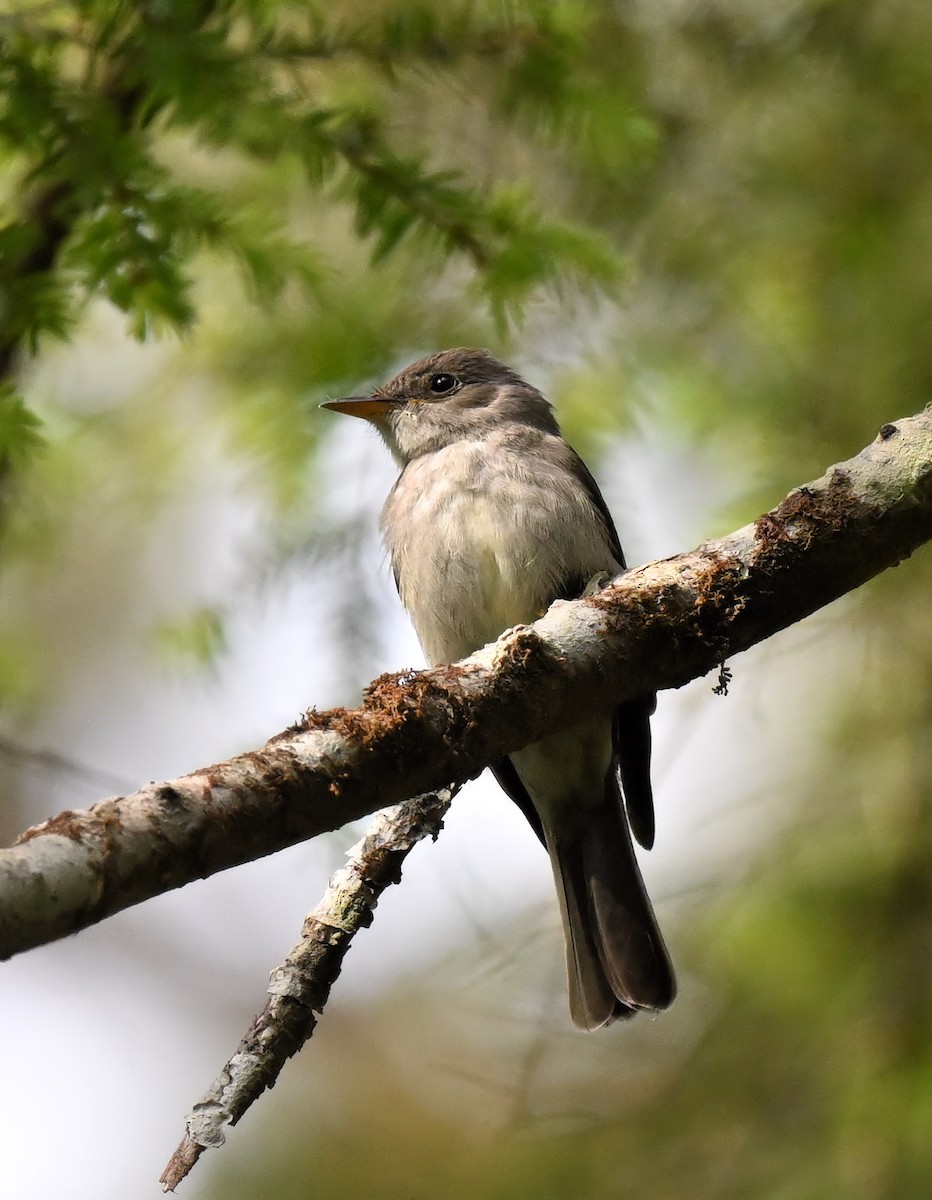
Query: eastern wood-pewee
x=493, y=517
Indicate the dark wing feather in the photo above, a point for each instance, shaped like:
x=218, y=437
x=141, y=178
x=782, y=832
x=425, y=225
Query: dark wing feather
x=510, y=783
x=631, y=762
x=584, y=475
x=631, y=723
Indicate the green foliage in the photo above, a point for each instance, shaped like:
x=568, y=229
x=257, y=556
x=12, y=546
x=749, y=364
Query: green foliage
x=87, y=92
x=19, y=429
x=91, y=96
x=786, y=225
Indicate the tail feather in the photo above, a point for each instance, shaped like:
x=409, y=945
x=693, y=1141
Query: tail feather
x=592, y=997
x=615, y=955
x=630, y=943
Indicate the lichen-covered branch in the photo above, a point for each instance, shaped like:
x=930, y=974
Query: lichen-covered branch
x=655, y=627
x=300, y=987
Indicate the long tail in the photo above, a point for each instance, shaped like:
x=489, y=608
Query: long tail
x=615, y=956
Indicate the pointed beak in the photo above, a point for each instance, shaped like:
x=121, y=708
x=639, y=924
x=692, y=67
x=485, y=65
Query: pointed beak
x=367, y=407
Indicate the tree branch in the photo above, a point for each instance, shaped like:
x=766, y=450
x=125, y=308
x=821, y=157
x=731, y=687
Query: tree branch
x=300, y=987
x=657, y=626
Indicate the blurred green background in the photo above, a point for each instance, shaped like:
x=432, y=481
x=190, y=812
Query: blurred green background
x=705, y=230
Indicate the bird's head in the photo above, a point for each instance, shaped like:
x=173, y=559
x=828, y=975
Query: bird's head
x=456, y=394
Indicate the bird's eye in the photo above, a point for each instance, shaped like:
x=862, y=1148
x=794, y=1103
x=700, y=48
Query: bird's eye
x=442, y=385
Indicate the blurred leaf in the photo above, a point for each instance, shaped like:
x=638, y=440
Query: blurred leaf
x=194, y=640
x=19, y=429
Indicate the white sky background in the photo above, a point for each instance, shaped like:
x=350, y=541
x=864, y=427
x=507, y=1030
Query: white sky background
x=111, y=1035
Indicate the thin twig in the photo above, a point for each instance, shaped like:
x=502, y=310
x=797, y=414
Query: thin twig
x=52, y=761
x=300, y=987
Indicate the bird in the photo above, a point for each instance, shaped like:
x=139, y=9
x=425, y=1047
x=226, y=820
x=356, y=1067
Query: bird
x=493, y=517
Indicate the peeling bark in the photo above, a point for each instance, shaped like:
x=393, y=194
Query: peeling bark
x=655, y=627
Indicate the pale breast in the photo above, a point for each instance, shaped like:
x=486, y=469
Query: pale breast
x=483, y=537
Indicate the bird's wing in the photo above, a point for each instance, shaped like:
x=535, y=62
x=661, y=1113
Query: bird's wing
x=510, y=782
x=598, y=502
x=631, y=723
x=631, y=763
